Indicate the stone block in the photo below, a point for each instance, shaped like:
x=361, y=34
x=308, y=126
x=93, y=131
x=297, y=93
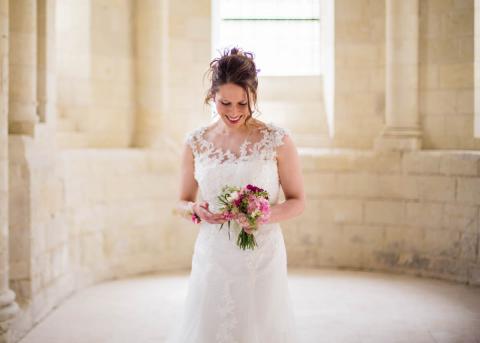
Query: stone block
x=460, y=217
x=320, y=184
x=404, y=239
x=385, y=212
x=461, y=164
x=356, y=184
x=474, y=272
x=465, y=101
x=443, y=243
x=456, y=76
x=364, y=235
x=421, y=163
x=437, y=188
x=438, y=102
x=395, y=186
x=428, y=80
x=468, y=190
x=424, y=214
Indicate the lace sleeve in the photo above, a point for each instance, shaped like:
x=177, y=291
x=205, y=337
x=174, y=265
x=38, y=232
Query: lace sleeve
x=191, y=138
x=279, y=133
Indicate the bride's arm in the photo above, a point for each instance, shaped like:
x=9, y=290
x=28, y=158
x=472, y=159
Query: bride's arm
x=186, y=205
x=291, y=179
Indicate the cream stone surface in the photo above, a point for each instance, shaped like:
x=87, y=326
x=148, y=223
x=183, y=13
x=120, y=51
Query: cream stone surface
x=96, y=98
x=401, y=131
x=8, y=306
x=330, y=306
x=23, y=66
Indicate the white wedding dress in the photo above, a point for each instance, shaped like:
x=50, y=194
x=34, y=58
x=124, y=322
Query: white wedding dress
x=237, y=295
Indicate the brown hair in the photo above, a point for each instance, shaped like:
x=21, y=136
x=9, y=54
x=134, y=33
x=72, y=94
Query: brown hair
x=234, y=66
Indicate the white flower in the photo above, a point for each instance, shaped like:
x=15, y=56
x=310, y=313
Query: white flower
x=256, y=213
x=234, y=195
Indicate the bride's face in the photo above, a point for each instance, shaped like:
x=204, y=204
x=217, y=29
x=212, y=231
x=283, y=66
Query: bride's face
x=231, y=103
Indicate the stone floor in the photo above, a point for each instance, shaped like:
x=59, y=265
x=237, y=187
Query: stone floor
x=330, y=306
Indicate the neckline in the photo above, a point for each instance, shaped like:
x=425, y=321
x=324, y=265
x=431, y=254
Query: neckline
x=222, y=153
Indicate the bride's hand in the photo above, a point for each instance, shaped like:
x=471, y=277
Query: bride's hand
x=201, y=209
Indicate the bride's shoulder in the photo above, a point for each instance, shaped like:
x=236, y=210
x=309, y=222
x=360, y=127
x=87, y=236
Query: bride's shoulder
x=276, y=133
x=195, y=134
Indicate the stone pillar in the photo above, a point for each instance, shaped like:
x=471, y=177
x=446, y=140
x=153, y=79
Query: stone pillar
x=151, y=69
x=476, y=62
x=23, y=67
x=8, y=306
x=402, y=129
x=46, y=60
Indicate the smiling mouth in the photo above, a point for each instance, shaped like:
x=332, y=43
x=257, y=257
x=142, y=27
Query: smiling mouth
x=234, y=120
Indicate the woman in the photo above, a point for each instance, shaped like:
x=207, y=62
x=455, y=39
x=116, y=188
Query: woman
x=238, y=295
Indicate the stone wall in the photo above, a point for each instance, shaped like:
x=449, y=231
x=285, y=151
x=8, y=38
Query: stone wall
x=96, y=81
x=118, y=213
x=4, y=133
x=188, y=55
x=78, y=217
x=359, y=72
x=415, y=213
x=164, y=86
x=446, y=74
x=39, y=261
x=296, y=102
x=101, y=214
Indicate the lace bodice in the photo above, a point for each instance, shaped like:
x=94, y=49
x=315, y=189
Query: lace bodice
x=255, y=163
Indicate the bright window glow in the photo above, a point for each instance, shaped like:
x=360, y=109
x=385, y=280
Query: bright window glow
x=284, y=35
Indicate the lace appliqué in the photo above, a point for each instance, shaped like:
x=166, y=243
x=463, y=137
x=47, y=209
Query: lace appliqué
x=265, y=149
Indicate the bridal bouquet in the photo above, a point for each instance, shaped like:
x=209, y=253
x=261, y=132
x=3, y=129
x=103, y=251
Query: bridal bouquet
x=248, y=207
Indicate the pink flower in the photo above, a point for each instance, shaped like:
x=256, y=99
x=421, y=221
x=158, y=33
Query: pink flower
x=243, y=220
x=228, y=215
x=253, y=204
x=264, y=205
x=254, y=188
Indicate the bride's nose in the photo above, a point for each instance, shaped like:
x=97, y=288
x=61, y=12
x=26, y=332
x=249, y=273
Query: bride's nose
x=236, y=111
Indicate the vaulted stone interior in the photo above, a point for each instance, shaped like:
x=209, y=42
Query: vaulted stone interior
x=97, y=95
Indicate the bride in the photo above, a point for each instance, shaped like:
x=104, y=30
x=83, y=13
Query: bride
x=237, y=295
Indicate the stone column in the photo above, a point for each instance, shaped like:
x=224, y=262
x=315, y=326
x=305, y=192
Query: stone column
x=151, y=69
x=402, y=130
x=476, y=62
x=8, y=307
x=23, y=67
x=46, y=60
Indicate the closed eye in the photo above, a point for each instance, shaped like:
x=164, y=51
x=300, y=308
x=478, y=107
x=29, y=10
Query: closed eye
x=226, y=104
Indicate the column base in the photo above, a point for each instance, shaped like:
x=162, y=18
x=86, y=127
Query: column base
x=399, y=139
x=8, y=310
